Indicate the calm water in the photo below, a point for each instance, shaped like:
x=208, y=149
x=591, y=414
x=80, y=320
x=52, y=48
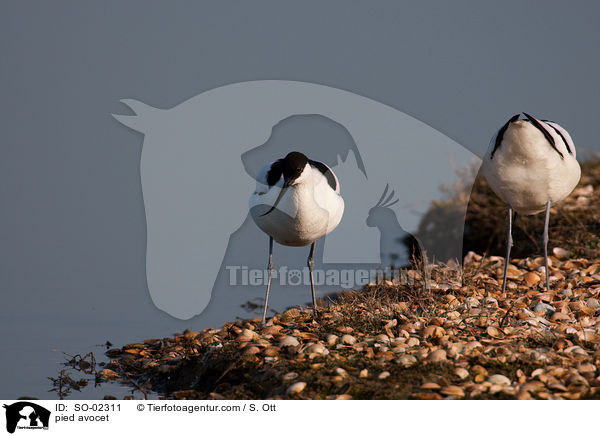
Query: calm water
x=45, y=324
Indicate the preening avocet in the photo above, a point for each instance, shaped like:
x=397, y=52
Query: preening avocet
x=296, y=202
x=530, y=164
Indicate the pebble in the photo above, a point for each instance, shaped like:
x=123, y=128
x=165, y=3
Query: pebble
x=383, y=375
x=544, y=307
x=364, y=373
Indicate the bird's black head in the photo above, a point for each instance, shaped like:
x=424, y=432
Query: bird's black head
x=293, y=165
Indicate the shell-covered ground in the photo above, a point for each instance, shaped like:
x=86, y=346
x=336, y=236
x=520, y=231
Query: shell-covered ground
x=444, y=332
x=392, y=341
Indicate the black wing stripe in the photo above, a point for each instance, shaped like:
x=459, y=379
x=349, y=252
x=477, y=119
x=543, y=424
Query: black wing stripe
x=501, y=133
x=546, y=134
x=561, y=136
x=275, y=172
x=326, y=171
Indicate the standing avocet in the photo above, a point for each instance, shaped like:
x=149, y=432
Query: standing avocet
x=530, y=164
x=296, y=202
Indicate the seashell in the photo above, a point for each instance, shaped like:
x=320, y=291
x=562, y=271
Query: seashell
x=289, y=341
x=560, y=253
x=271, y=351
x=499, y=379
x=454, y=391
x=341, y=372
x=364, y=373
x=575, y=350
x=290, y=376
x=406, y=360
x=382, y=338
x=531, y=279
x=472, y=348
x=108, y=374
x=113, y=352
x=557, y=387
x=533, y=386
x=331, y=340
x=559, y=316
x=426, y=396
x=433, y=331
x=318, y=348
x=437, y=356
x=413, y=342
x=430, y=386
x=462, y=373
x=308, y=336
x=490, y=301
x=296, y=388
x=586, y=368
x=348, y=339
x=247, y=335
x=271, y=330
x=251, y=350
x=290, y=315
x=471, y=302
x=494, y=332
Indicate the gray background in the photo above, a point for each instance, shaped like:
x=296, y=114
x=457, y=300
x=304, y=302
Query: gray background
x=72, y=221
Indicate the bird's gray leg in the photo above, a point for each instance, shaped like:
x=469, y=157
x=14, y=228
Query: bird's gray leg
x=270, y=267
x=509, y=243
x=311, y=263
x=545, y=241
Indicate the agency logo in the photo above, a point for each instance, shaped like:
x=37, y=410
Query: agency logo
x=201, y=161
x=26, y=415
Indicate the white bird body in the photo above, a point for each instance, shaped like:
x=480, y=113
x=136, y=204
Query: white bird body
x=526, y=172
x=308, y=210
x=296, y=202
x=530, y=165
